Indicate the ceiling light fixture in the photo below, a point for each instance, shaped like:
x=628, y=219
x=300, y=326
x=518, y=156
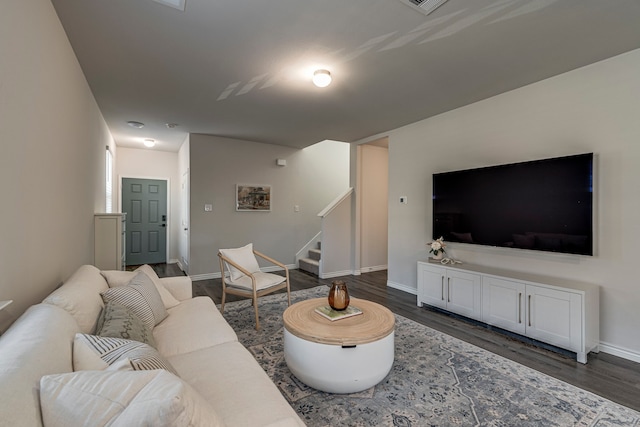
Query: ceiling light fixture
x=134, y=124
x=322, y=78
x=149, y=142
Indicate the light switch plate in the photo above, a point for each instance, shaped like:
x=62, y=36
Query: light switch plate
x=208, y=207
x=403, y=200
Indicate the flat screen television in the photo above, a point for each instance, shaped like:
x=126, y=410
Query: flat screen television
x=544, y=205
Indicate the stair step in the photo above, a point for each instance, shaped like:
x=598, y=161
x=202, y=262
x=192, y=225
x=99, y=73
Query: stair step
x=309, y=265
x=315, y=254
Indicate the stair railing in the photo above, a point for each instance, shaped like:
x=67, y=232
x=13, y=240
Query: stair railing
x=335, y=259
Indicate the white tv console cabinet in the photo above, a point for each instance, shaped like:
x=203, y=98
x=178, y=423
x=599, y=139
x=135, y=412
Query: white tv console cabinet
x=559, y=312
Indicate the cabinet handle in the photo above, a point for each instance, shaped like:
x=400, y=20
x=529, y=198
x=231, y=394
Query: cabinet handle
x=442, y=287
x=519, y=307
x=448, y=289
x=529, y=310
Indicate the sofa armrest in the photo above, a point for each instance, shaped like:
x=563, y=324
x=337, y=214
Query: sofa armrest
x=179, y=286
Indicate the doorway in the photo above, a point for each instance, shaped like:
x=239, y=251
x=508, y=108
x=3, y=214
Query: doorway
x=145, y=203
x=373, y=186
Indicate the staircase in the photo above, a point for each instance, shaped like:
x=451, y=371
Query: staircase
x=312, y=263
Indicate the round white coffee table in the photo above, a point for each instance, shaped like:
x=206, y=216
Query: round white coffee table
x=341, y=356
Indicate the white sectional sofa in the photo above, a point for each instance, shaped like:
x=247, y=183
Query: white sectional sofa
x=194, y=338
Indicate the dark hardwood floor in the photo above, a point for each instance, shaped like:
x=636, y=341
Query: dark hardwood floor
x=609, y=376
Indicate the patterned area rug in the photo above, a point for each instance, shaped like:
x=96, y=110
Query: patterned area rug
x=436, y=380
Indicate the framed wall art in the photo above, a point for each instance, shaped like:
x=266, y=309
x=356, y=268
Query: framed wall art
x=250, y=197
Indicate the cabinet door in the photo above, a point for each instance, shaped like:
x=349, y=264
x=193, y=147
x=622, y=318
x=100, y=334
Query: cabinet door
x=431, y=285
x=463, y=293
x=555, y=317
x=503, y=304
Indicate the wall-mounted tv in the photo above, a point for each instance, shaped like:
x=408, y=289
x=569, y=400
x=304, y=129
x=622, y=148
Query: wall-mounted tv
x=544, y=205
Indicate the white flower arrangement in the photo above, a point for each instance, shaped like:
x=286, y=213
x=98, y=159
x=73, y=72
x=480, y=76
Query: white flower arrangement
x=437, y=246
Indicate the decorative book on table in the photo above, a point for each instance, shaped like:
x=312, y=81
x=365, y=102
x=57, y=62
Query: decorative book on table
x=331, y=314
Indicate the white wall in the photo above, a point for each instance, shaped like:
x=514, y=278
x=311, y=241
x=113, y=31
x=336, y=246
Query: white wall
x=592, y=109
x=154, y=164
x=312, y=178
x=52, y=170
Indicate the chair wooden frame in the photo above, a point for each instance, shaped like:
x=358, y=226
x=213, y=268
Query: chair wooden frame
x=254, y=294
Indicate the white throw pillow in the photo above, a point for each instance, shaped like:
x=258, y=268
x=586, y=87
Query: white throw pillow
x=116, y=278
x=142, y=297
x=242, y=256
x=91, y=352
x=122, y=399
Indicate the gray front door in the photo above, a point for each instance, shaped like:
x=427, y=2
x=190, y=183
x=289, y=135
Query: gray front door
x=145, y=202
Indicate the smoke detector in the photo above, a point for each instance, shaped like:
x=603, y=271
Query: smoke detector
x=424, y=6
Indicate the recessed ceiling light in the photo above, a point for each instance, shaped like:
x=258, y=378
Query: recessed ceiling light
x=134, y=124
x=322, y=78
x=149, y=142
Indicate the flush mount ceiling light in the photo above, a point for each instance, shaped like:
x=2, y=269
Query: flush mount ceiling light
x=322, y=78
x=149, y=142
x=134, y=124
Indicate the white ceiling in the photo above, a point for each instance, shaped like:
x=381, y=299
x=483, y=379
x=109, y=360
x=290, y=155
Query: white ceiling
x=243, y=69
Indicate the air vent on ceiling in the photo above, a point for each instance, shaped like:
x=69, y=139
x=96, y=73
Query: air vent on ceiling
x=425, y=6
x=176, y=4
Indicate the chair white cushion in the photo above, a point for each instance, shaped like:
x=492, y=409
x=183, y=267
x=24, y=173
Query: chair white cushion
x=122, y=398
x=242, y=256
x=91, y=352
x=263, y=281
x=142, y=297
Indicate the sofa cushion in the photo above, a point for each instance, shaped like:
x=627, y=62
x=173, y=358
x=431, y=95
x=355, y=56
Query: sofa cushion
x=118, y=321
x=80, y=296
x=194, y=324
x=242, y=256
x=142, y=297
x=153, y=398
x=228, y=377
x=38, y=343
x=87, y=349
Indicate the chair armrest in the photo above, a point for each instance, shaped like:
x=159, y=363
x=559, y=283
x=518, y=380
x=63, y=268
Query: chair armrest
x=271, y=260
x=179, y=286
x=239, y=267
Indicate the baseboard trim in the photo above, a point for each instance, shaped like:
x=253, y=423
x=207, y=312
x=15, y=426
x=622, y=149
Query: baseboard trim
x=336, y=274
x=624, y=353
x=401, y=287
x=209, y=276
x=372, y=269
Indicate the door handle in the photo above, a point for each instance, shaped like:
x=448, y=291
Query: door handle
x=163, y=225
x=529, y=310
x=520, y=307
x=448, y=289
x=442, y=287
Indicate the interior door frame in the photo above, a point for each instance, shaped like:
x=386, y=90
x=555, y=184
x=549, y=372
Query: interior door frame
x=169, y=216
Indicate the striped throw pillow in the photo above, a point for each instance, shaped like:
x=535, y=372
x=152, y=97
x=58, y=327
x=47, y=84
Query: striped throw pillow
x=111, y=350
x=141, y=297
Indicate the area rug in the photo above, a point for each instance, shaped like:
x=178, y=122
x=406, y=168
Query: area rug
x=436, y=380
